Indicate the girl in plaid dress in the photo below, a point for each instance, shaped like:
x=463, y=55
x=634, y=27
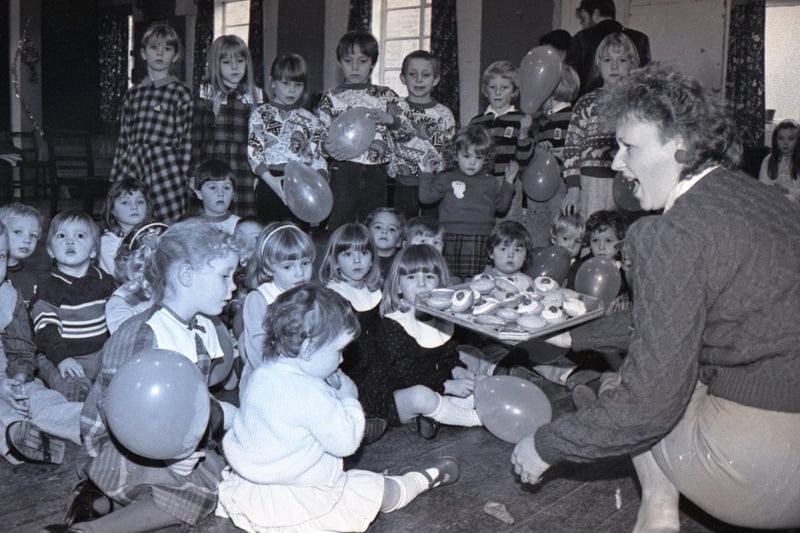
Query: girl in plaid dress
x=222, y=108
x=192, y=278
x=155, y=144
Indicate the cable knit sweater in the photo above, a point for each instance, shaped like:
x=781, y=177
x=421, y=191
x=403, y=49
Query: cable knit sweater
x=717, y=284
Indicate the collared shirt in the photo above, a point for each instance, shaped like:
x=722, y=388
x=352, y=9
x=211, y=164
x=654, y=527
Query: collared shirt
x=684, y=185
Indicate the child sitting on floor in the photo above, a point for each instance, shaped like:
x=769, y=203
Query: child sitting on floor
x=213, y=185
x=297, y=482
x=424, y=230
x=33, y=419
x=69, y=312
x=24, y=224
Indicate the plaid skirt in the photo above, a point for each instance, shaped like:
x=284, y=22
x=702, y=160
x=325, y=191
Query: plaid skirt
x=190, y=498
x=465, y=254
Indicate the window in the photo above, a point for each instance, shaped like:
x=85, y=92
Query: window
x=232, y=17
x=782, y=32
x=401, y=26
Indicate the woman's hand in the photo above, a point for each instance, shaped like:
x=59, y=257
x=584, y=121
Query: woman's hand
x=571, y=204
x=184, y=467
x=276, y=184
x=512, y=169
x=12, y=392
x=70, y=367
x=527, y=463
x=459, y=387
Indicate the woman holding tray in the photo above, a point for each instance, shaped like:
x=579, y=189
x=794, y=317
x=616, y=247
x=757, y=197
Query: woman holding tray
x=706, y=400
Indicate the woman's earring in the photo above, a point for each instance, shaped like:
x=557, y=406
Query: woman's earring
x=681, y=156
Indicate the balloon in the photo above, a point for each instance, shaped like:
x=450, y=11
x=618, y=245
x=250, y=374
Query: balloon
x=352, y=132
x=622, y=192
x=510, y=407
x=157, y=405
x=542, y=177
x=539, y=74
x=308, y=195
x=599, y=277
x=550, y=261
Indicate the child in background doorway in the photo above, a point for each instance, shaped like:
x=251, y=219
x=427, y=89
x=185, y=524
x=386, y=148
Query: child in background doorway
x=470, y=199
x=509, y=128
x=297, y=482
x=33, y=419
x=69, y=311
x=422, y=137
x=24, y=225
x=350, y=268
x=414, y=371
x=782, y=166
x=213, y=186
x=424, y=230
x=386, y=225
x=283, y=258
x=155, y=138
x=222, y=108
x=191, y=276
x=127, y=205
x=281, y=131
x=359, y=185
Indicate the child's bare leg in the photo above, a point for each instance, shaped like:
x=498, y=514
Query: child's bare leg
x=658, y=511
x=141, y=515
x=415, y=401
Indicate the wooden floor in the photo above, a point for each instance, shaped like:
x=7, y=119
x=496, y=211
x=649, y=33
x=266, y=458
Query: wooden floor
x=574, y=498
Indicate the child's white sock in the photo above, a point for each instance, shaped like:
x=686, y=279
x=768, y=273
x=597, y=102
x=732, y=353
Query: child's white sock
x=450, y=413
x=401, y=490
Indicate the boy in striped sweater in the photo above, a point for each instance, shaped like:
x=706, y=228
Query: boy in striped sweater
x=509, y=127
x=69, y=321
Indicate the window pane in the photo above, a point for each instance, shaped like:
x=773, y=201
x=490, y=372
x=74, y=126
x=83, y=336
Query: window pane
x=395, y=51
x=426, y=43
x=402, y=23
x=391, y=78
x=240, y=31
x=390, y=4
x=427, y=22
x=237, y=13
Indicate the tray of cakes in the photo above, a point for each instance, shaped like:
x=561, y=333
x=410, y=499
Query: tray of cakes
x=510, y=309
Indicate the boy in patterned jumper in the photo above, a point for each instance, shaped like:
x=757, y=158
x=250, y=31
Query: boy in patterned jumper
x=421, y=138
x=509, y=127
x=69, y=321
x=359, y=185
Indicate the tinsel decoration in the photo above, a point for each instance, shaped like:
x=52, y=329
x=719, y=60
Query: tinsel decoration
x=24, y=53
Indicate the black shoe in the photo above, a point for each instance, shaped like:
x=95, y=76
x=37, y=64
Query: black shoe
x=84, y=506
x=374, y=429
x=427, y=427
x=61, y=528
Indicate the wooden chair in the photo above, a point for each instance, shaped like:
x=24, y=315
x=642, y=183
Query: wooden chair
x=72, y=165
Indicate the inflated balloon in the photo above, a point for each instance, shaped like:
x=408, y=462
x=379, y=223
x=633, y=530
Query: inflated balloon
x=599, y=277
x=511, y=408
x=542, y=177
x=622, y=192
x=157, y=405
x=308, y=195
x=352, y=132
x=539, y=74
x=550, y=261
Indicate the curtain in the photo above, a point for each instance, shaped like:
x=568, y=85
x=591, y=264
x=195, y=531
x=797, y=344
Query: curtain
x=744, y=84
x=255, y=40
x=444, y=45
x=203, y=35
x=360, y=17
x=112, y=41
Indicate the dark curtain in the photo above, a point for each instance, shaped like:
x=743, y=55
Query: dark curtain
x=203, y=35
x=444, y=45
x=360, y=18
x=112, y=41
x=255, y=40
x=744, y=84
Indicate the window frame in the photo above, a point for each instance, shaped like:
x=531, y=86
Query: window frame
x=389, y=75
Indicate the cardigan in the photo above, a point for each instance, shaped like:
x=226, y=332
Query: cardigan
x=717, y=287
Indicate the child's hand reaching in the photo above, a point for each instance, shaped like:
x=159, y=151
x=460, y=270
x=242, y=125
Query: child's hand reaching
x=525, y=127
x=276, y=184
x=512, y=169
x=70, y=367
x=184, y=467
x=459, y=387
x=380, y=117
x=334, y=151
x=12, y=392
x=342, y=385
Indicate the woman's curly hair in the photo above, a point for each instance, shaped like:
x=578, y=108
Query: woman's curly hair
x=677, y=105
